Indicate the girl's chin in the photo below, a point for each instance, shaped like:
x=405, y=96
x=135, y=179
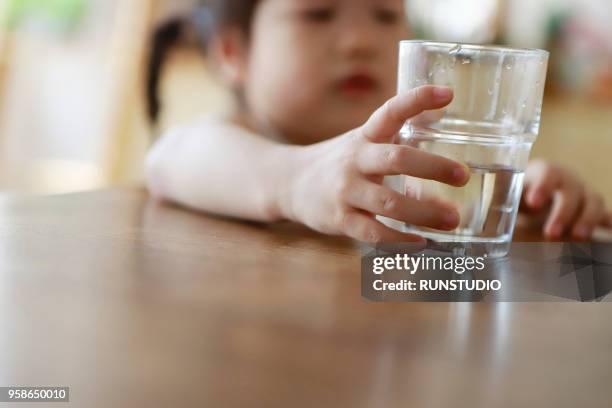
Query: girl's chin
x=330, y=121
x=348, y=120
x=355, y=115
x=324, y=130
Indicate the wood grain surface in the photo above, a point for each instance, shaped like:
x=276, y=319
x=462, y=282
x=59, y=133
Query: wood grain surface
x=133, y=303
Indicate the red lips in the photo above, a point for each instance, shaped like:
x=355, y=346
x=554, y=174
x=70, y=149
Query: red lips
x=357, y=84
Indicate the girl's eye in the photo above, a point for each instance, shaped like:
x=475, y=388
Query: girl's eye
x=387, y=16
x=322, y=15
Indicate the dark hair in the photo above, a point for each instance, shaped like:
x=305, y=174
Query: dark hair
x=207, y=19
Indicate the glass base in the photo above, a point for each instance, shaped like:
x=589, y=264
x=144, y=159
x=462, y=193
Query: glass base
x=463, y=245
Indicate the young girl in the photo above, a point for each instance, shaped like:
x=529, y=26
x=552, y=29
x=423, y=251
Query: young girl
x=313, y=131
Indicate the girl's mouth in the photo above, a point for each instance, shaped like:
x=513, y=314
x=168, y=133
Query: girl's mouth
x=357, y=85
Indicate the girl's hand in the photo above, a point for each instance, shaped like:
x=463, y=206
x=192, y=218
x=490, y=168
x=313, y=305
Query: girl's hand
x=567, y=205
x=337, y=185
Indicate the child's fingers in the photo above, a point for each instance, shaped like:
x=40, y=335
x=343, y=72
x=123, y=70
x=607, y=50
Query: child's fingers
x=387, y=121
x=388, y=159
x=593, y=211
x=566, y=203
x=380, y=200
x=366, y=229
x=427, y=118
x=541, y=182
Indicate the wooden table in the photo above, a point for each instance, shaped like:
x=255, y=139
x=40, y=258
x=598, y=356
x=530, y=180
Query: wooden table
x=136, y=304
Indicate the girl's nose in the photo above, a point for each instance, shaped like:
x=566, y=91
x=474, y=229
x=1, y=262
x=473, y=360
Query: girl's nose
x=357, y=40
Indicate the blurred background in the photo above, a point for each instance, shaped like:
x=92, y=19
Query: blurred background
x=72, y=76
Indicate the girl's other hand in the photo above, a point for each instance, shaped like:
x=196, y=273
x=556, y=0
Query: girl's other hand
x=337, y=186
x=563, y=201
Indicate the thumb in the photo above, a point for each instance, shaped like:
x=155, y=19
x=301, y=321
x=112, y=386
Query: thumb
x=387, y=121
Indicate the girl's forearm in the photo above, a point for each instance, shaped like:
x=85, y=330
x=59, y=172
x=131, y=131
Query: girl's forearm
x=222, y=169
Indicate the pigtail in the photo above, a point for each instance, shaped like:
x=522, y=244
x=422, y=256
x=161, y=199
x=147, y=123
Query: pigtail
x=198, y=27
x=164, y=39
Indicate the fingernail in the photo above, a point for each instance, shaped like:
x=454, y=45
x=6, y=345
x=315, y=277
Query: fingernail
x=442, y=93
x=555, y=231
x=536, y=200
x=450, y=220
x=461, y=174
x=581, y=232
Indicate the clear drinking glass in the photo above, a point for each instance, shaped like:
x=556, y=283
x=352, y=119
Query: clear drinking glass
x=490, y=126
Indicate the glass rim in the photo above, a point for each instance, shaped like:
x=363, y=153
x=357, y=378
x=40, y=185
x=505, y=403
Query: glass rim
x=480, y=47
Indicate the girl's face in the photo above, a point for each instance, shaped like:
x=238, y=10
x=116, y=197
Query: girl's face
x=318, y=68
